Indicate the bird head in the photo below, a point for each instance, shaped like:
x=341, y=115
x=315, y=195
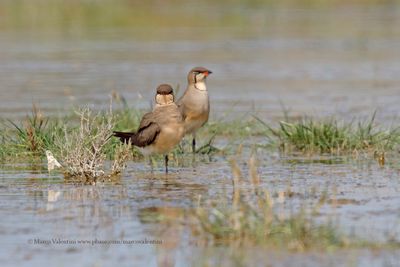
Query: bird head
x=198, y=74
x=164, y=95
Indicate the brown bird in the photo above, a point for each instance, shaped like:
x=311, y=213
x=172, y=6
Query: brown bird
x=160, y=130
x=194, y=103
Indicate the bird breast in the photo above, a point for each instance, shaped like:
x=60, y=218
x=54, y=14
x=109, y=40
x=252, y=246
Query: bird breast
x=168, y=138
x=197, y=101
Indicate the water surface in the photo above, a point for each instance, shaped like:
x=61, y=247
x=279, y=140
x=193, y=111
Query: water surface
x=363, y=199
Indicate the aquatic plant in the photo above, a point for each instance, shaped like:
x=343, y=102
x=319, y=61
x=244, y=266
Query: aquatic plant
x=331, y=136
x=32, y=136
x=249, y=218
x=37, y=133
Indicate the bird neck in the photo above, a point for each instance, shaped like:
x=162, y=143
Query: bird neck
x=200, y=86
x=157, y=105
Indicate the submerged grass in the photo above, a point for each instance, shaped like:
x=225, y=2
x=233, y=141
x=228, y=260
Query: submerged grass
x=249, y=217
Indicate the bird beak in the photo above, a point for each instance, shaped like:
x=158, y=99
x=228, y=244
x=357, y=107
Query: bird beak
x=206, y=73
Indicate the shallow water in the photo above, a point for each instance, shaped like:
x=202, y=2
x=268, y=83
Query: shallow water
x=363, y=199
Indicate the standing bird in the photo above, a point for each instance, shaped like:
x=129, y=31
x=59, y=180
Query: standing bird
x=160, y=130
x=194, y=103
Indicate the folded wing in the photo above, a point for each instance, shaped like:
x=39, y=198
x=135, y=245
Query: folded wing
x=146, y=135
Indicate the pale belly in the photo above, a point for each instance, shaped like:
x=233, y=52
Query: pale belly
x=168, y=138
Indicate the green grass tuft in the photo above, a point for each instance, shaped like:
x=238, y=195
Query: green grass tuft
x=332, y=136
x=35, y=134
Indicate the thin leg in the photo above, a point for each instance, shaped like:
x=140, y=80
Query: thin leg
x=194, y=144
x=166, y=163
x=151, y=164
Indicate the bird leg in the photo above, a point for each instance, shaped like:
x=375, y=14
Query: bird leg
x=151, y=164
x=166, y=163
x=194, y=144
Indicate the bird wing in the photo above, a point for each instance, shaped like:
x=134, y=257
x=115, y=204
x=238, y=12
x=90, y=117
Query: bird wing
x=146, y=134
x=147, y=119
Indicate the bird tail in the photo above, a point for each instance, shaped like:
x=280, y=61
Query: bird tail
x=124, y=136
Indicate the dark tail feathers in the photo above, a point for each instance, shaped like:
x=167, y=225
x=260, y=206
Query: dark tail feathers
x=124, y=137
